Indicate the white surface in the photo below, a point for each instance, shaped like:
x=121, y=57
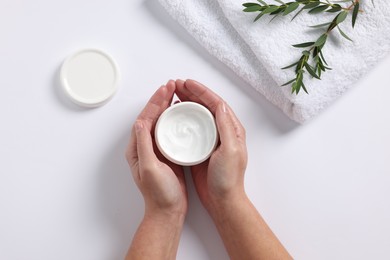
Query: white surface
x=89, y=77
x=186, y=133
x=66, y=191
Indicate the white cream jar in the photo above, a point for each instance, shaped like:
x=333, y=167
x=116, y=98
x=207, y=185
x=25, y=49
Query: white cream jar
x=186, y=133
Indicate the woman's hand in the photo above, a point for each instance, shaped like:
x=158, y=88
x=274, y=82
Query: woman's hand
x=220, y=183
x=221, y=177
x=161, y=183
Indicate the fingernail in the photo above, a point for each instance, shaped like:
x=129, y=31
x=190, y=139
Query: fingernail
x=223, y=107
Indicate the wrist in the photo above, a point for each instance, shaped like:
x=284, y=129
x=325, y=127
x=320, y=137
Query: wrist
x=229, y=202
x=165, y=217
x=157, y=236
x=166, y=210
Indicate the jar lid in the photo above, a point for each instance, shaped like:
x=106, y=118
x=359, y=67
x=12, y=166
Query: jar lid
x=186, y=133
x=89, y=77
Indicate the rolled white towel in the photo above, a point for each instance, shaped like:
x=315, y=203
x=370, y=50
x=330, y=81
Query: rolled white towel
x=257, y=51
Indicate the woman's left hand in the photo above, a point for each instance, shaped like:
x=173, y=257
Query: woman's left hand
x=161, y=182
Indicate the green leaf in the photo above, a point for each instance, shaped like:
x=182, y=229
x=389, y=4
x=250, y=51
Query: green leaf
x=300, y=77
x=273, y=18
x=249, y=4
x=262, y=2
x=332, y=25
x=288, y=82
x=334, y=9
x=354, y=14
x=318, y=9
x=323, y=58
x=293, y=87
x=327, y=68
x=321, y=41
x=311, y=5
x=323, y=67
x=280, y=9
x=344, y=35
x=270, y=9
x=291, y=8
x=315, y=53
x=319, y=25
x=303, y=45
x=300, y=11
x=252, y=8
x=291, y=65
x=310, y=70
x=258, y=17
x=299, y=65
x=304, y=88
x=341, y=17
x=319, y=71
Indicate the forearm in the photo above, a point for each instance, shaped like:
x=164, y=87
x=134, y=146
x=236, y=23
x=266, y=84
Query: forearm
x=157, y=237
x=244, y=232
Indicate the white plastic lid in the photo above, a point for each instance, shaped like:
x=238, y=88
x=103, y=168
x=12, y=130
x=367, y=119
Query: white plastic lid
x=90, y=77
x=186, y=133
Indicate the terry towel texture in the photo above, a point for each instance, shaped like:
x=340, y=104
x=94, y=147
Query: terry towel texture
x=257, y=51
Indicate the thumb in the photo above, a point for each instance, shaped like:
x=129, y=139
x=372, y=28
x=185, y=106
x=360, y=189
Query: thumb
x=225, y=125
x=145, y=150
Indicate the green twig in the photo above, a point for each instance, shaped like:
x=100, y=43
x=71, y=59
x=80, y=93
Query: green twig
x=313, y=53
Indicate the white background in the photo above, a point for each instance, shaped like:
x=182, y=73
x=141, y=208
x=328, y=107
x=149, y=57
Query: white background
x=65, y=188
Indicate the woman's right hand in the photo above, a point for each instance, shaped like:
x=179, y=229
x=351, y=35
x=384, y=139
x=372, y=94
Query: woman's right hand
x=221, y=178
x=220, y=183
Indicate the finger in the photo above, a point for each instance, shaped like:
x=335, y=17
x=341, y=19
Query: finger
x=146, y=155
x=171, y=87
x=205, y=96
x=183, y=93
x=132, y=156
x=157, y=104
x=187, y=94
x=151, y=111
x=226, y=129
x=192, y=90
x=239, y=128
x=131, y=151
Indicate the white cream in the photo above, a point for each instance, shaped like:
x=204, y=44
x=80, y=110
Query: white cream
x=186, y=133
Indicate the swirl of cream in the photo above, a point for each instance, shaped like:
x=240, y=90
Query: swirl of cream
x=185, y=133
